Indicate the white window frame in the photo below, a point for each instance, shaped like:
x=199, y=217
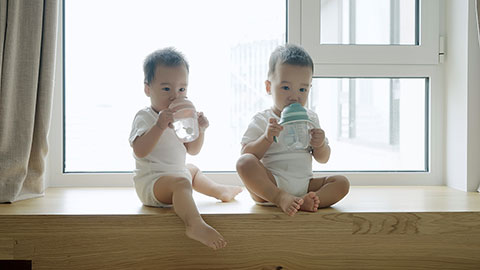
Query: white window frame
x=387, y=61
x=424, y=53
x=342, y=67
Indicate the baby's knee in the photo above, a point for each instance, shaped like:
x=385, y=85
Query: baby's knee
x=193, y=169
x=182, y=184
x=246, y=161
x=343, y=183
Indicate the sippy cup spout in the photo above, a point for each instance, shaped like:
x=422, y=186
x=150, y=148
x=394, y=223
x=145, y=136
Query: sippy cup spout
x=294, y=113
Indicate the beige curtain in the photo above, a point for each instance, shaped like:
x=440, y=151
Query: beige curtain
x=28, y=33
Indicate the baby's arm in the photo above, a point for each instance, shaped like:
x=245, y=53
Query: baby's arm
x=261, y=145
x=321, y=149
x=194, y=147
x=143, y=145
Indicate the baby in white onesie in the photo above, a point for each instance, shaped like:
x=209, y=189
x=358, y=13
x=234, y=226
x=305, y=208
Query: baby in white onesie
x=157, y=163
x=162, y=178
x=272, y=173
x=292, y=169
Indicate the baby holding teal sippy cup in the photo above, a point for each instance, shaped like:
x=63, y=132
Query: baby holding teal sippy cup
x=162, y=134
x=278, y=145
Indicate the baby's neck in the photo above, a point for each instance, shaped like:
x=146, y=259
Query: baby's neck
x=277, y=113
x=153, y=109
x=159, y=110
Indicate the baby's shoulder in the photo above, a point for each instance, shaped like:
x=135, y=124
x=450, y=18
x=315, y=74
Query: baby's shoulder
x=145, y=115
x=311, y=113
x=313, y=116
x=264, y=115
x=145, y=112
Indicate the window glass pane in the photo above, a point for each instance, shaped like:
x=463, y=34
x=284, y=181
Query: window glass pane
x=381, y=22
x=374, y=124
x=227, y=44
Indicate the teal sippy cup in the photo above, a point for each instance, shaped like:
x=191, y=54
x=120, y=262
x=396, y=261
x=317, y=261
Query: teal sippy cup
x=296, y=126
x=185, y=119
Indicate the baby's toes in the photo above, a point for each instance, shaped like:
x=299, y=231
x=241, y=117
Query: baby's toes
x=294, y=206
x=298, y=202
x=222, y=243
x=292, y=211
x=219, y=244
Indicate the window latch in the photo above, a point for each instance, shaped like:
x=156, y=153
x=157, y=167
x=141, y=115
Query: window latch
x=441, y=49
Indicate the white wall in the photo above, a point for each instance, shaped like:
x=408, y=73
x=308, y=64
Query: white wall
x=462, y=97
x=456, y=93
x=53, y=139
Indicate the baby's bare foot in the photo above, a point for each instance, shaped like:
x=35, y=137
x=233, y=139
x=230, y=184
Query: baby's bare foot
x=288, y=203
x=205, y=234
x=310, y=202
x=228, y=193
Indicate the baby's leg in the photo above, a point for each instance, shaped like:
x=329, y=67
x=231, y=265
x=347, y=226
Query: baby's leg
x=262, y=185
x=207, y=186
x=178, y=191
x=330, y=189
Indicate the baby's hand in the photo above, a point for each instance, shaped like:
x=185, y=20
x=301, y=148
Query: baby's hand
x=202, y=121
x=273, y=129
x=165, y=119
x=318, y=137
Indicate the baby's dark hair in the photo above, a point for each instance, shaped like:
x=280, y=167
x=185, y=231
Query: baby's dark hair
x=289, y=54
x=168, y=57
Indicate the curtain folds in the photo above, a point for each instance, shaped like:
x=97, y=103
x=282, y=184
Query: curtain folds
x=28, y=33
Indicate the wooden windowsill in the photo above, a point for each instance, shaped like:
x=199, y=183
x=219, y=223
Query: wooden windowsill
x=361, y=199
x=372, y=228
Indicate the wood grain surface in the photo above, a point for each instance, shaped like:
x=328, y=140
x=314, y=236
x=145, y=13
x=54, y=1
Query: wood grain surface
x=264, y=238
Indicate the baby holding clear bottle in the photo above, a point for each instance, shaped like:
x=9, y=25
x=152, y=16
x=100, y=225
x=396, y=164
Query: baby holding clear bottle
x=162, y=179
x=271, y=171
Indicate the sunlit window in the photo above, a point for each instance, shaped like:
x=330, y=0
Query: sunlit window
x=373, y=124
x=227, y=44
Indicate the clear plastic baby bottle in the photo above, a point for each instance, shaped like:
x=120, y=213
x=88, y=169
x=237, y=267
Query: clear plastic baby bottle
x=185, y=119
x=296, y=127
x=296, y=135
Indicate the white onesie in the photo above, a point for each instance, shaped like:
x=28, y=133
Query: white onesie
x=166, y=158
x=292, y=169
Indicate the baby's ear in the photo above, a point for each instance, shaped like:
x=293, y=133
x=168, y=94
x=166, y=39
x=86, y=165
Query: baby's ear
x=268, y=87
x=147, y=90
